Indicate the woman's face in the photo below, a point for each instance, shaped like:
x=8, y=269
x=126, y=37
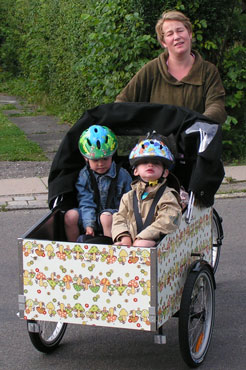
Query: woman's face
x=177, y=39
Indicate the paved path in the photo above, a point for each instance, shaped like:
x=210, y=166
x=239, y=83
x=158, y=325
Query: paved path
x=24, y=185
x=44, y=130
x=28, y=192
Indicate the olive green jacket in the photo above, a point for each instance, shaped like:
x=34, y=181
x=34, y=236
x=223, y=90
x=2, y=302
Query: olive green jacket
x=166, y=219
x=201, y=90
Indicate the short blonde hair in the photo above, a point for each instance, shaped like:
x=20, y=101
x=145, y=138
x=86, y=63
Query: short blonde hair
x=171, y=15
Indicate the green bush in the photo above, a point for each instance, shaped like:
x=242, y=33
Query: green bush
x=235, y=84
x=54, y=43
x=9, y=37
x=50, y=41
x=116, y=48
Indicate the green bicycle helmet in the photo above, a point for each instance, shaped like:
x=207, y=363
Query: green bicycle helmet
x=152, y=147
x=97, y=142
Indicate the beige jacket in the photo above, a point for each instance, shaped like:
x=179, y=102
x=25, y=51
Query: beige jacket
x=201, y=90
x=167, y=215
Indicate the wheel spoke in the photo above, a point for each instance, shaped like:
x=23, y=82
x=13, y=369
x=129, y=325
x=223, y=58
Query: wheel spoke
x=196, y=329
x=49, y=330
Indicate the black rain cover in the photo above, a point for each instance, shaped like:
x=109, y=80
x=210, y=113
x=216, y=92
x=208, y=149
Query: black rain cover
x=199, y=169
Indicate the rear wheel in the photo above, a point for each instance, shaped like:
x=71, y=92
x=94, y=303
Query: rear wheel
x=45, y=335
x=217, y=235
x=196, y=316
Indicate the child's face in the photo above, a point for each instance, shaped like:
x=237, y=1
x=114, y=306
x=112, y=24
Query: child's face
x=100, y=166
x=150, y=171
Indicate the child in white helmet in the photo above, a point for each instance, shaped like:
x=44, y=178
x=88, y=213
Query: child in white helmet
x=151, y=209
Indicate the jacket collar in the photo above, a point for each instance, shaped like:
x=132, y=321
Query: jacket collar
x=194, y=77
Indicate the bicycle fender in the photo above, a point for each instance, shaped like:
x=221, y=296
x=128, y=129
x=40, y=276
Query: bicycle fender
x=198, y=265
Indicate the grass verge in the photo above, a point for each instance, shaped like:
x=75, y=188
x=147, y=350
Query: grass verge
x=14, y=145
x=24, y=89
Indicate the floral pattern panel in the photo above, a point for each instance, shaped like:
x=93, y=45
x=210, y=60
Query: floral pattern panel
x=86, y=284
x=112, y=286
x=174, y=257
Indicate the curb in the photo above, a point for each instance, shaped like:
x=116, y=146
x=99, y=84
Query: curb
x=230, y=195
x=23, y=202
x=40, y=201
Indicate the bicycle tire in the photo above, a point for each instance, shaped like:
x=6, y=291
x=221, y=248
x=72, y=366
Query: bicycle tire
x=217, y=235
x=45, y=335
x=196, y=316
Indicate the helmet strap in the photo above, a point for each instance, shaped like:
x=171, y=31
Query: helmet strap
x=153, y=183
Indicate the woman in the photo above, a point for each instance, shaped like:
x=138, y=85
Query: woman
x=179, y=76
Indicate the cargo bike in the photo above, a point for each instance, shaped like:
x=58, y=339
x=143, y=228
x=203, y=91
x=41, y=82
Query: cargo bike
x=101, y=284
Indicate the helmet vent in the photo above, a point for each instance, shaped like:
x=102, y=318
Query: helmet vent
x=97, y=142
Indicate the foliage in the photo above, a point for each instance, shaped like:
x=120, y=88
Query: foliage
x=14, y=146
x=9, y=36
x=150, y=11
x=116, y=48
x=235, y=85
x=51, y=40
x=235, y=76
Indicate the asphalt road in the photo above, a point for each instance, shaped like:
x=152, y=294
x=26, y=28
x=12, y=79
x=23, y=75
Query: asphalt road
x=89, y=348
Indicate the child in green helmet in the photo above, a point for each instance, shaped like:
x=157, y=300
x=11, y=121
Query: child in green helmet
x=100, y=185
x=151, y=209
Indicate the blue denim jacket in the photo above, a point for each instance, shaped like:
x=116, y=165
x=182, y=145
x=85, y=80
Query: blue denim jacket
x=85, y=194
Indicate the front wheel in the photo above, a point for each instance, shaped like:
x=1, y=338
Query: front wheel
x=45, y=335
x=196, y=316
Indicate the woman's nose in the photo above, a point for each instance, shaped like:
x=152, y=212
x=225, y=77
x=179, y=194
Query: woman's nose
x=176, y=35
